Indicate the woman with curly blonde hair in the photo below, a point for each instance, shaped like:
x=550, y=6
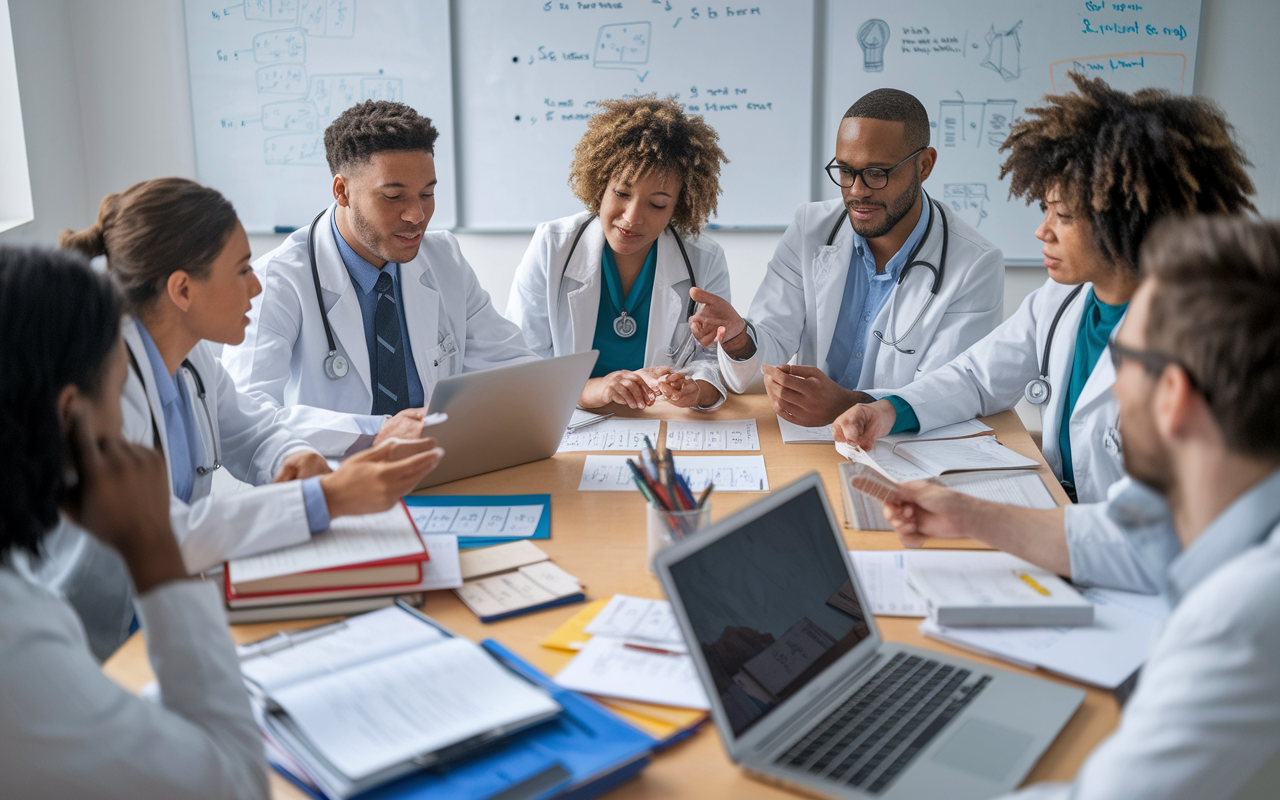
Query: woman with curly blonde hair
x=616, y=277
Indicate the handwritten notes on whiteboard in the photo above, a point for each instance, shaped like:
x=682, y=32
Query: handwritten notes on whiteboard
x=478, y=520
x=727, y=434
x=612, y=434
x=729, y=473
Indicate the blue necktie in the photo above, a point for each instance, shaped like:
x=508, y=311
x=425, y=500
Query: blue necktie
x=390, y=383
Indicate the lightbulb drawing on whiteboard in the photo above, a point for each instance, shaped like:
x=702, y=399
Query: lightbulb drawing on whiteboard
x=873, y=36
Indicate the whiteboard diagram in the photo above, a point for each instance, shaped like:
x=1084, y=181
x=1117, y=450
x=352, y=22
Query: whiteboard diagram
x=269, y=76
x=532, y=73
x=978, y=66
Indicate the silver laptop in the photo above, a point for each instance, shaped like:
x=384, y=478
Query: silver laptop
x=807, y=695
x=505, y=416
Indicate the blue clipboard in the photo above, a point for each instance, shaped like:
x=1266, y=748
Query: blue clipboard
x=582, y=753
x=543, y=531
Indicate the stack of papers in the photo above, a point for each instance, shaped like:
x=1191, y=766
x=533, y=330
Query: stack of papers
x=635, y=652
x=729, y=473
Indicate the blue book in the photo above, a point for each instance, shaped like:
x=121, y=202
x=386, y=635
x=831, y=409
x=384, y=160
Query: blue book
x=581, y=753
x=543, y=530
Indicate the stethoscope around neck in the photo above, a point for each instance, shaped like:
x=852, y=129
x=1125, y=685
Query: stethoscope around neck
x=1039, y=390
x=938, y=273
x=679, y=243
x=201, y=470
x=336, y=365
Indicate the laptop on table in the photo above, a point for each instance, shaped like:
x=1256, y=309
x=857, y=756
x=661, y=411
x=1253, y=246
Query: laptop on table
x=804, y=691
x=505, y=416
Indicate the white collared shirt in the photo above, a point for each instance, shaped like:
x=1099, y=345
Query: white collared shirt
x=1204, y=721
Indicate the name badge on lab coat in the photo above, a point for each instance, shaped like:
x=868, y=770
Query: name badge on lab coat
x=448, y=347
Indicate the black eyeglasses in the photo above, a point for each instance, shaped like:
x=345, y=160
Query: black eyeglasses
x=873, y=177
x=1151, y=361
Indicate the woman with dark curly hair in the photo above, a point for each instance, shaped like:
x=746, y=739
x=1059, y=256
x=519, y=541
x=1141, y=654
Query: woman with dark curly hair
x=616, y=277
x=1105, y=166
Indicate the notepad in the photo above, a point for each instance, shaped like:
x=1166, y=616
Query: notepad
x=729, y=434
x=526, y=589
x=364, y=539
x=973, y=587
x=1104, y=654
x=379, y=697
x=611, y=434
x=729, y=473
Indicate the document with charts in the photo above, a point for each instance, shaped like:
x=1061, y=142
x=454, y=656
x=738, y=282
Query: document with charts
x=729, y=473
x=611, y=434
x=727, y=434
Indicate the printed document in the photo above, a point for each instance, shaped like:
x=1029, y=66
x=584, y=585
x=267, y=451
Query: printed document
x=883, y=575
x=729, y=434
x=483, y=521
x=612, y=434
x=800, y=434
x=638, y=620
x=729, y=473
x=609, y=667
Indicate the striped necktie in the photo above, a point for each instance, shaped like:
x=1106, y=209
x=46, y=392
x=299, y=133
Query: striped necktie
x=390, y=383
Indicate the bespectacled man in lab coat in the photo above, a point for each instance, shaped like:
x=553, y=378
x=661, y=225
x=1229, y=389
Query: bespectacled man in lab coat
x=405, y=308
x=876, y=288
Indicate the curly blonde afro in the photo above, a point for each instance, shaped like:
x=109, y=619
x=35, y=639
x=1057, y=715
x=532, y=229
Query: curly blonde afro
x=1126, y=161
x=630, y=138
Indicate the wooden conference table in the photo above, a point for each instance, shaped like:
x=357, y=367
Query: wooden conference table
x=599, y=537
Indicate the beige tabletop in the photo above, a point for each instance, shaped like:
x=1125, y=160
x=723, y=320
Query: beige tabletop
x=599, y=537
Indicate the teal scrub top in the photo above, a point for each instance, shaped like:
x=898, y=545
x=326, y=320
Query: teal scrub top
x=617, y=353
x=1096, y=324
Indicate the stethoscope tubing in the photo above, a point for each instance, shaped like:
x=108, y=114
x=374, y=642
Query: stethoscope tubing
x=679, y=243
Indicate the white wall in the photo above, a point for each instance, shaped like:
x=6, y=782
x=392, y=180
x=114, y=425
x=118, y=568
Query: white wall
x=105, y=103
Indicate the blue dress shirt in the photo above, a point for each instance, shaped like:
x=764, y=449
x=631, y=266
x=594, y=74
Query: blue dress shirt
x=617, y=353
x=181, y=438
x=364, y=275
x=865, y=293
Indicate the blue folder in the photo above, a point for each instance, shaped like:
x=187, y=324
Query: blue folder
x=582, y=753
x=543, y=531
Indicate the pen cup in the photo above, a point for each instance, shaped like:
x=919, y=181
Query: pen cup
x=663, y=528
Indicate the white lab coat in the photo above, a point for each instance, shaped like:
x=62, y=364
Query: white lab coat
x=251, y=445
x=991, y=376
x=452, y=326
x=796, y=307
x=563, y=321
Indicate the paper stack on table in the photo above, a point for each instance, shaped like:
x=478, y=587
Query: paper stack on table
x=986, y=587
x=635, y=652
x=883, y=575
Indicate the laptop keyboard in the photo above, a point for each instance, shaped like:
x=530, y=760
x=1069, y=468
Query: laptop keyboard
x=872, y=736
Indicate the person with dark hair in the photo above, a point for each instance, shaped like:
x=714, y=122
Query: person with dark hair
x=365, y=310
x=1102, y=160
x=1198, y=384
x=876, y=289
x=67, y=730
x=1105, y=166
x=616, y=278
x=182, y=258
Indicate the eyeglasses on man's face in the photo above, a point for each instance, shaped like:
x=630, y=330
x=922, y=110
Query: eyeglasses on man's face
x=872, y=177
x=1151, y=361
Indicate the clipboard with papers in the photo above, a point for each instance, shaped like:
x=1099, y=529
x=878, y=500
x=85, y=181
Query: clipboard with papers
x=483, y=723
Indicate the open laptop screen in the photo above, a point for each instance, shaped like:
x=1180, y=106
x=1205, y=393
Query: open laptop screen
x=771, y=605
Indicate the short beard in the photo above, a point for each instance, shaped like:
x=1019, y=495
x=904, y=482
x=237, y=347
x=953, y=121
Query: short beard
x=1146, y=459
x=896, y=210
x=366, y=234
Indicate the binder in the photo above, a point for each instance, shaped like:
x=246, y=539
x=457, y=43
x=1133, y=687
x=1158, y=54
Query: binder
x=579, y=754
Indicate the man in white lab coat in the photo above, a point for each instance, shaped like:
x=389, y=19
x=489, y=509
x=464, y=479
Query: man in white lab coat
x=874, y=289
x=401, y=306
x=1199, y=391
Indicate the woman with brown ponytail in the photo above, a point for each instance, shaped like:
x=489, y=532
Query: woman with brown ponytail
x=181, y=259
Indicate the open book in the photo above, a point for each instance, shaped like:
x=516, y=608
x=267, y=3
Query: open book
x=360, y=702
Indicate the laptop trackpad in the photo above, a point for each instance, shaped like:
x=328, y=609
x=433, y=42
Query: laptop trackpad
x=984, y=749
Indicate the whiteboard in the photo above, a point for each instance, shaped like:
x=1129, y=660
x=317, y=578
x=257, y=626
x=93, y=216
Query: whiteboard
x=268, y=76
x=978, y=64
x=530, y=73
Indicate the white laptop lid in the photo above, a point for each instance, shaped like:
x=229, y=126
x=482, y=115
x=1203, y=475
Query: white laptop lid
x=771, y=609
